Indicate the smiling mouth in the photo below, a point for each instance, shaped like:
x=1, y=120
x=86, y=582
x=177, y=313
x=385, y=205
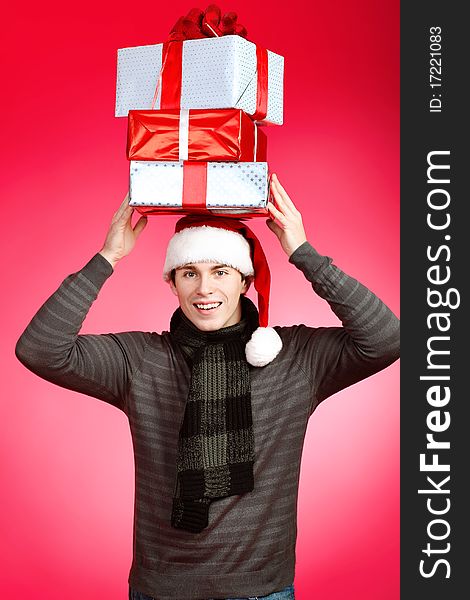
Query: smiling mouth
x=207, y=307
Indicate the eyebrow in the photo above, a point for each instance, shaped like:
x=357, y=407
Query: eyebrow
x=193, y=267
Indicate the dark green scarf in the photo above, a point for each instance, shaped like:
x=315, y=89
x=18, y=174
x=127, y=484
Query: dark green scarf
x=216, y=442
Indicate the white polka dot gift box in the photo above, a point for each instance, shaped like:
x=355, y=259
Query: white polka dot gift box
x=230, y=188
x=218, y=72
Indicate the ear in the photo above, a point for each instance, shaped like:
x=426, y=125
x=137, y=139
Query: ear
x=246, y=284
x=173, y=287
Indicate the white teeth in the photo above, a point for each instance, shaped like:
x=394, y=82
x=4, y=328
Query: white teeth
x=208, y=306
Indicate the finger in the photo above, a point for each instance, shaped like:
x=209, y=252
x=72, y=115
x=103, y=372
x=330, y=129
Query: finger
x=124, y=208
x=274, y=227
x=124, y=217
x=283, y=199
x=284, y=195
x=280, y=201
x=123, y=203
x=276, y=214
x=140, y=225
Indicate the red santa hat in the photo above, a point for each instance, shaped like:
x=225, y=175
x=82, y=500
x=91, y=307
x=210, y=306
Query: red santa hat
x=205, y=238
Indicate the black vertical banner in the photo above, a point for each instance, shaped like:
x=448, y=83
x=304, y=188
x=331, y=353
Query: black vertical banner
x=435, y=251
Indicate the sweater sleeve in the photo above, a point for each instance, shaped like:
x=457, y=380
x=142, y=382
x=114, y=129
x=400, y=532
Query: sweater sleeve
x=99, y=365
x=368, y=341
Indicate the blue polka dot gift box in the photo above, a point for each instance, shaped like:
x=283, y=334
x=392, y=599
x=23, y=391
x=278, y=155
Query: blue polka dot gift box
x=226, y=188
x=211, y=72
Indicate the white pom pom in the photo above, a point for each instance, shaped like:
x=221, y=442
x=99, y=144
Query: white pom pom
x=263, y=347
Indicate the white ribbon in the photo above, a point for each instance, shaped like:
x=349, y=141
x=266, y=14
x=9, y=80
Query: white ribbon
x=183, y=134
x=183, y=147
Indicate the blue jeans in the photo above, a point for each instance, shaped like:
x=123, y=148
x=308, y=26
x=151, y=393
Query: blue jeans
x=285, y=594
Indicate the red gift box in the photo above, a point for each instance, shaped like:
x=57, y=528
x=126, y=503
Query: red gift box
x=195, y=135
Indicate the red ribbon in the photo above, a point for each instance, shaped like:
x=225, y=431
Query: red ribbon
x=209, y=23
x=195, y=25
x=262, y=84
x=171, y=76
x=194, y=185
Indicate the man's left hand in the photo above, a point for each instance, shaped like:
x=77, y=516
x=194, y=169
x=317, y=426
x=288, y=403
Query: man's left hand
x=285, y=220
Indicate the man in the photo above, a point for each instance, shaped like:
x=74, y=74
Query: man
x=217, y=415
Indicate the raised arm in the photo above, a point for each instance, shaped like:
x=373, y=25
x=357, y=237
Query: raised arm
x=51, y=347
x=368, y=341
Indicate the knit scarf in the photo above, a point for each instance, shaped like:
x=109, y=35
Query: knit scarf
x=216, y=441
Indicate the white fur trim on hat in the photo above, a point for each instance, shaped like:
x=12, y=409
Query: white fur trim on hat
x=208, y=244
x=263, y=347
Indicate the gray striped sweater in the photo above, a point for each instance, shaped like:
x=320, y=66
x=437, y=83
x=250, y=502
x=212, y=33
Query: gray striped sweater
x=249, y=546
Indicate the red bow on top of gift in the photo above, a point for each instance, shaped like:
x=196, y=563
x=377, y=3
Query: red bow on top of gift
x=206, y=23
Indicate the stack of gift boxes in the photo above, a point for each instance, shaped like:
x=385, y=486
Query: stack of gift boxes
x=195, y=105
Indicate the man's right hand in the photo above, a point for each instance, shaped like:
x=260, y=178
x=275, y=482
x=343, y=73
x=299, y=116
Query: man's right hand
x=121, y=236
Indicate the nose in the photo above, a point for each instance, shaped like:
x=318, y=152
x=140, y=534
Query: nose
x=205, y=285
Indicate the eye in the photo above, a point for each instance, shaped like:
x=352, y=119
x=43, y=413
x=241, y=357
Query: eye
x=221, y=273
x=189, y=274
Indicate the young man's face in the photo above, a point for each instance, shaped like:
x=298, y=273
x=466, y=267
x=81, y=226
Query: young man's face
x=209, y=294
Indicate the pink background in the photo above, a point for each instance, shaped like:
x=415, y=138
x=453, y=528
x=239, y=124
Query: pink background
x=66, y=459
